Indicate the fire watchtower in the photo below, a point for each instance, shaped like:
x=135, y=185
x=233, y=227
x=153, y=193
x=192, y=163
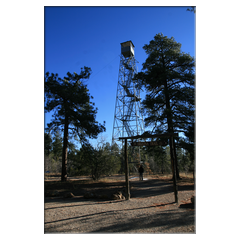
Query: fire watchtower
x=128, y=120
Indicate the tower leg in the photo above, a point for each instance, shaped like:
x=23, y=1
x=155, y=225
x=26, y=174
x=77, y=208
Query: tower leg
x=126, y=173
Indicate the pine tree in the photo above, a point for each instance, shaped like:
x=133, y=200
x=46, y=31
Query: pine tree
x=73, y=112
x=47, y=143
x=168, y=77
x=57, y=145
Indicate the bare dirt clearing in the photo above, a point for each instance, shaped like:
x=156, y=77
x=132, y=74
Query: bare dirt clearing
x=151, y=208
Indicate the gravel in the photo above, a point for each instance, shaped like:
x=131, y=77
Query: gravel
x=143, y=213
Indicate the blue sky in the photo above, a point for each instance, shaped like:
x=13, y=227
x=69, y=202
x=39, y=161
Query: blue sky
x=75, y=37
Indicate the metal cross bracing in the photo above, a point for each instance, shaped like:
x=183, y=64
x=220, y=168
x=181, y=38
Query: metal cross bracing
x=128, y=120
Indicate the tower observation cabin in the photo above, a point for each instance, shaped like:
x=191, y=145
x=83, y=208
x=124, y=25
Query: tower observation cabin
x=127, y=49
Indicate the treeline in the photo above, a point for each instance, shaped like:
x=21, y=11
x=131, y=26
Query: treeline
x=105, y=159
x=96, y=162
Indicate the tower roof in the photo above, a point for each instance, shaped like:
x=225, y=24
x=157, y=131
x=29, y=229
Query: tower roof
x=124, y=43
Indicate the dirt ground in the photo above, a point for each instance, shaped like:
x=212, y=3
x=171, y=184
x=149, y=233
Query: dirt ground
x=152, y=199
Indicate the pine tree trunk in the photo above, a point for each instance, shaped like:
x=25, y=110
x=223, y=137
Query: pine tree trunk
x=162, y=165
x=173, y=163
x=175, y=156
x=172, y=143
x=65, y=150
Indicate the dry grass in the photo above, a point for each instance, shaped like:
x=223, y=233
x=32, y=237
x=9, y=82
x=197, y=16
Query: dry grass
x=51, y=176
x=187, y=175
x=112, y=178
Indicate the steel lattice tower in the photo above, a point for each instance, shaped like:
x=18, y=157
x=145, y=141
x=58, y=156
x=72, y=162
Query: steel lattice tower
x=128, y=120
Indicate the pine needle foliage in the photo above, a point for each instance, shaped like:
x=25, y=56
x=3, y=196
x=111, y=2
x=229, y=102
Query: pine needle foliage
x=74, y=113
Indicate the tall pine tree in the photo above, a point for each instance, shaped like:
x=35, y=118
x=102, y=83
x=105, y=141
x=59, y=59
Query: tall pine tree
x=168, y=76
x=74, y=114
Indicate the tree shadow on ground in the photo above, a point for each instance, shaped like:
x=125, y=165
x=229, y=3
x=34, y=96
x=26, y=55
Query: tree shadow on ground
x=79, y=200
x=165, y=220
x=138, y=189
x=156, y=187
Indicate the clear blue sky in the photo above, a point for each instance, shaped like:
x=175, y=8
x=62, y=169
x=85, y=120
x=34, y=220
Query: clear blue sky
x=75, y=37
